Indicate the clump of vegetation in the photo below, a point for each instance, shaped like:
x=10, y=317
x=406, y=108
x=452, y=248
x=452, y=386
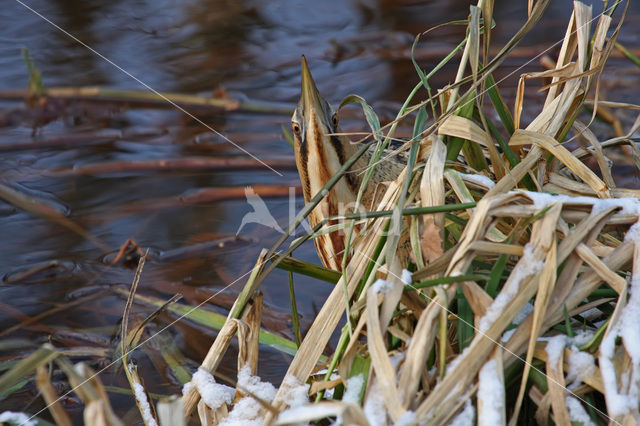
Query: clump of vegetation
x=522, y=297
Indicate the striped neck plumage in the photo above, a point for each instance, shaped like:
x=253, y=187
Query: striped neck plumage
x=320, y=153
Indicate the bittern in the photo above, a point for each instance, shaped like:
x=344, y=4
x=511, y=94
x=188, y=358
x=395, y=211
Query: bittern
x=321, y=149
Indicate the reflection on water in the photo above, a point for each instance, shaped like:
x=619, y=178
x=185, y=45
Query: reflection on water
x=251, y=50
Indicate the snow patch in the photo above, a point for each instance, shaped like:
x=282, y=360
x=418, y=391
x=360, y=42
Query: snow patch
x=555, y=347
x=253, y=384
x=577, y=413
x=626, y=328
x=213, y=394
x=526, y=266
x=633, y=234
x=480, y=180
x=143, y=403
x=454, y=362
x=581, y=365
x=524, y=313
x=407, y=418
x=491, y=393
x=354, y=388
x=542, y=199
x=187, y=387
x=466, y=416
x=507, y=335
x=520, y=316
x=248, y=411
x=381, y=286
x=406, y=277
x=618, y=403
x=16, y=418
x=374, y=409
x=294, y=393
x=308, y=411
x=396, y=359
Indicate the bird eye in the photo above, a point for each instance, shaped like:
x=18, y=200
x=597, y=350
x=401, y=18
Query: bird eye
x=295, y=127
x=334, y=120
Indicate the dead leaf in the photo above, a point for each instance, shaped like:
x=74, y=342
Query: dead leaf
x=431, y=241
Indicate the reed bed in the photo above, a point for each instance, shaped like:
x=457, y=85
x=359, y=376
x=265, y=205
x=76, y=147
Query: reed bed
x=522, y=299
x=520, y=303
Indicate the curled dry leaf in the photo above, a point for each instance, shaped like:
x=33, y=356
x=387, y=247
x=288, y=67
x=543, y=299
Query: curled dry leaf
x=431, y=241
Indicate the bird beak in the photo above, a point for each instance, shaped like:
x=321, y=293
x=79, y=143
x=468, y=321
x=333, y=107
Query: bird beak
x=310, y=99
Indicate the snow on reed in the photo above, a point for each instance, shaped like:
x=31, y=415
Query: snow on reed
x=248, y=411
x=478, y=179
x=354, y=388
x=374, y=409
x=581, y=365
x=577, y=413
x=620, y=403
x=408, y=418
x=543, y=199
x=466, y=416
x=526, y=266
x=13, y=417
x=143, y=403
x=213, y=394
x=491, y=394
x=406, y=277
x=381, y=286
x=555, y=347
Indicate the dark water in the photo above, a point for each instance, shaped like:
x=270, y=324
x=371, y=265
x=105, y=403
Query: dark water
x=250, y=50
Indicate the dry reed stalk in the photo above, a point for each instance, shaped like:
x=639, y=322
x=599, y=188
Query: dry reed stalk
x=223, y=339
x=171, y=411
x=249, y=334
x=89, y=388
x=51, y=398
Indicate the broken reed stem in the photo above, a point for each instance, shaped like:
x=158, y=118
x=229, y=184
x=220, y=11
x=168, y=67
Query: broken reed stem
x=221, y=343
x=51, y=398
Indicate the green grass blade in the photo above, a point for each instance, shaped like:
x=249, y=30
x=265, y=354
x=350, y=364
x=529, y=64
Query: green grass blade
x=423, y=77
x=473, y=153
x=287, y=135
x=408, y=212
x=309, y=269
x=500, y=106
x=35, y=78
x=496, y=274
x=362, y=366
x=215, y=321
x=294, y=311
x=446, y=280
x=46, y=353
x=369, y=114
x=419, y=124
x=465, y=320
x=627, y=53
x=567, y=323
x=512, y=158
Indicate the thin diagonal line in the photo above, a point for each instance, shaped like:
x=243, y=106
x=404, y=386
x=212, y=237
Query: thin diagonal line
x=151, y=89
